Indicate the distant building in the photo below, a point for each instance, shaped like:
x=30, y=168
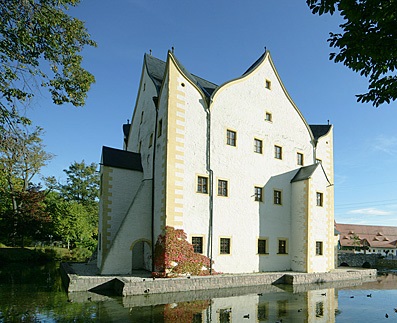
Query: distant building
x=236, y=166
x=371, y=239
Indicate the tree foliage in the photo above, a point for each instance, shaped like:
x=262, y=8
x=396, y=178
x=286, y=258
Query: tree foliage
x=22, y=155
x=82, y=183
x=29, y=220
x=40, y=45
x=74, y=206
x=367, y=43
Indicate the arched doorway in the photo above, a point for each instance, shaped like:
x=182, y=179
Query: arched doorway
x=141, y=255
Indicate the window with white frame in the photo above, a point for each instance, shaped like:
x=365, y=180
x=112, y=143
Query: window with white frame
x=278, y=152
x=277, y=197
x=258, y=193
x=299, y=159
x=262, y=246
x=202, y=184
x=222, y=187
x=224, y=246
x=197, y=243
x=319, y=248
x=319, y=199
x=258, y=146
x=282, y=246
x=231, y=137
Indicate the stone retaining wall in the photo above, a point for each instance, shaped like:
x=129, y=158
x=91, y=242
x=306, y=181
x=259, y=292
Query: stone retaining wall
x=143, y=286
x=223, y=281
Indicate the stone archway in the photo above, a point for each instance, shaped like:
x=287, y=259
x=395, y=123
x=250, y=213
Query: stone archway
x=141, y=251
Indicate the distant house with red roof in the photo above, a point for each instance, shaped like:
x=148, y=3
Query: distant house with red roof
x=371, y=239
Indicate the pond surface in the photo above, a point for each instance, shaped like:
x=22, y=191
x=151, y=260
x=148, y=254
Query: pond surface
x=36, y=294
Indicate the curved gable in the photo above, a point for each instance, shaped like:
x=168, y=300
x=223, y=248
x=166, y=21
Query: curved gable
x=255, y=68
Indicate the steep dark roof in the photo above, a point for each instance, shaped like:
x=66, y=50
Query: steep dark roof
x=121, y=159
x=126, y=129
x=257, y=62
x=304, y=173
x=156, y=70
x=319, y=130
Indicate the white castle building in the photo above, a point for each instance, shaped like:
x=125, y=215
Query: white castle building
x=236, y=166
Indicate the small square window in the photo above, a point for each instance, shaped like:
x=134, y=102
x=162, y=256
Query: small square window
x=231, y=137
x=278, y=152
x=268, y=116
x=258, y=146
x=319, y=199
x=197, y=243
x=319, y=248
x=160, y=128
x=299, y=159
x=224, y=246
x=258, y=194
x=277, y=197
x=268, y=84
x=222, y=188
x=262, y=246
x=282, y=247
x=202, y=184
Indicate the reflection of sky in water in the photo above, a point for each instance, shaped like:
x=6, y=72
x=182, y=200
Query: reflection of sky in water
x=346, y=301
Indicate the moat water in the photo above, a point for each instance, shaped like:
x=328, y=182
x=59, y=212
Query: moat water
x=36, y=294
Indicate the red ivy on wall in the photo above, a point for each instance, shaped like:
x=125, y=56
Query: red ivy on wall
x=185, y=312
x=174, y=255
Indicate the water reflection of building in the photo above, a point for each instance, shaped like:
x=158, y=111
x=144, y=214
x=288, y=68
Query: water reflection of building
x=311, y=306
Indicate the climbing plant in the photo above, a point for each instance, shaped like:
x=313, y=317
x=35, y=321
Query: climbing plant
x=174, y=255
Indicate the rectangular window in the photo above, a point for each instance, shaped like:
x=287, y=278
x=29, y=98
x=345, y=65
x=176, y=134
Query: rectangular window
x=141, y=118
x=319, y=248
x=319, y=199
x=197, y=243
x=202, y=184
x=278, y=152
x=224, y=246
x=268, y=117
x=258, y=146
x=222, y=187
x=282, y=247
x=268, y=84
x=319, y=309
x=299, y=159
x=258, y=193
x=231, y=137
x=277, y=197
x=151, y=140
x=139, y=146
x=263, y=312
x=262, y=246
x=160, y=128
x=225, y=315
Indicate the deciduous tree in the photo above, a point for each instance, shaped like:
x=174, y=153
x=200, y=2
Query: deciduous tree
x=367, y=43
x=40, y=45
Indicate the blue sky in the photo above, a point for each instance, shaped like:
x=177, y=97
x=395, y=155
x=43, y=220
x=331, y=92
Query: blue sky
x=219, y=40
